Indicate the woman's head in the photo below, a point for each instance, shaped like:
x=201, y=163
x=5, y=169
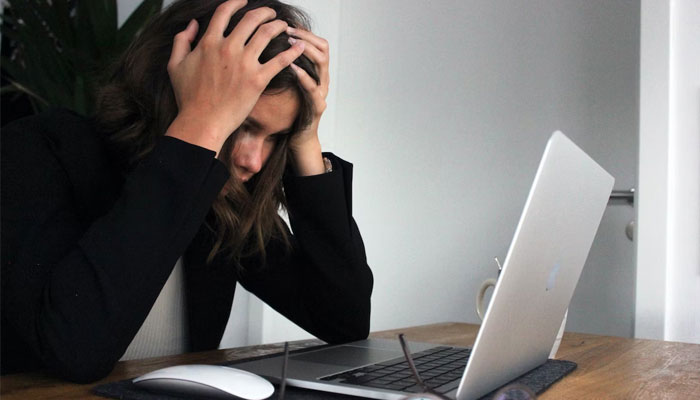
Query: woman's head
x=137, y=105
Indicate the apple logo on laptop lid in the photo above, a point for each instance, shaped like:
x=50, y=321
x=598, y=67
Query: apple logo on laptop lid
x=552, y=277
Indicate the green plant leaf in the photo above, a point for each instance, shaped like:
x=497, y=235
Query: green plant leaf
x=63, y=46
x=11, y=68
x=37, y=52
x=56, y=19
x=11, y=34
x=9, y=89
x=32, y=96
x=99, y=18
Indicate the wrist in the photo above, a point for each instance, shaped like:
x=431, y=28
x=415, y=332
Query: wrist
x=307, y=158
x=198, y=131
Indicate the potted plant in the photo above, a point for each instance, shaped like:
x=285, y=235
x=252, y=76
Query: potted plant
x=60, y=49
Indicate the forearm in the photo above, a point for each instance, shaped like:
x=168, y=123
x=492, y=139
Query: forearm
x=325, y=285
x=77, y=294
x=329, y=297
x=307, y=158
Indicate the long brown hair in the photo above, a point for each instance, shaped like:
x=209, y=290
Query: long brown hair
x=137, y=105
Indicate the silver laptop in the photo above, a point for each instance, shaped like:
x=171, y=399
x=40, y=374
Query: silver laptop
x=540, y=272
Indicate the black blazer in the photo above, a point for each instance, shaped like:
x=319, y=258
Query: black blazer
x=86, y=248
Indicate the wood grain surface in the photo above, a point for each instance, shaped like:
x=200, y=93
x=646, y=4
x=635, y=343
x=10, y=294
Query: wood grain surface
x=608, y=367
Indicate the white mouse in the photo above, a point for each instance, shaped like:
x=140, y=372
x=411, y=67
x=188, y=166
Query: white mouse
x=206, y=381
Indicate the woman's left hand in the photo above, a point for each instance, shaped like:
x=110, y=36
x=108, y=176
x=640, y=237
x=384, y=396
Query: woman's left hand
x=305, y=146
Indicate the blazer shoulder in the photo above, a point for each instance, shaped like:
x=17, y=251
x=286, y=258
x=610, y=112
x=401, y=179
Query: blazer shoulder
x=72, y=139
x=63, y=131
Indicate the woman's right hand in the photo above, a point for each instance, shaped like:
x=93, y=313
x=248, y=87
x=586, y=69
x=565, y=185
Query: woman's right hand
x=217, y=84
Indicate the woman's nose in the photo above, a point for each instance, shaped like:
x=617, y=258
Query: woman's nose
x=250, y=155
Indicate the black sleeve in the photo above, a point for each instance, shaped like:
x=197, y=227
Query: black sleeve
x=76, y=293
x=324, y=283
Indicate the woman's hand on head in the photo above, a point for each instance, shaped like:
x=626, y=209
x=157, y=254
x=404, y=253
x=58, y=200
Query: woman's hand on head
x=305, y=146
x=217, y=84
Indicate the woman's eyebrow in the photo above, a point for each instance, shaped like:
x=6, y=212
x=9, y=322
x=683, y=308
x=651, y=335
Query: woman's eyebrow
x=284, y=132
x=256, y=125
x=253, y=122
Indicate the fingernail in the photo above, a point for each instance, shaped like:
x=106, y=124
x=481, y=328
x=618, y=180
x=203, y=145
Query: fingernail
x=191, y=24
x=291, y=41
x=290, y=30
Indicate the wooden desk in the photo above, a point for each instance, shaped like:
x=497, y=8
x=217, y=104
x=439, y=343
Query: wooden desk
x=608, y=367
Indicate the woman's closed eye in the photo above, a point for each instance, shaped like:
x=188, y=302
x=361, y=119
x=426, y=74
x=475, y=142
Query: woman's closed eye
x=276, y=137
x=246, y=127
x=253, y=128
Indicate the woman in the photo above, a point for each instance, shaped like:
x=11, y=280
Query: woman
x=206, y=128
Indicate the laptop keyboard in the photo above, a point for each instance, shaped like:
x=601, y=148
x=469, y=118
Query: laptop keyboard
x=440, y=367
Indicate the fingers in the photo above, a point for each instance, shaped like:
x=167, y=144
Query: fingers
x=316, y=50
x=251, y=21
x=314, y=54
x=264, y=35
x=318, y=93
x=219, y=21
x=307, y=82
x=182, y=44
x=283, y=59
x=319, y=42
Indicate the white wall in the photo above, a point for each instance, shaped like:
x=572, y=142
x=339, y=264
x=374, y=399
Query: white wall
x=653, y=169
x=683, y=284
x=126, y=7
x=668, y=284
x=445, y=108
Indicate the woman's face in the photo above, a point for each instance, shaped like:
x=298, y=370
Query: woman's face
x=272, y=116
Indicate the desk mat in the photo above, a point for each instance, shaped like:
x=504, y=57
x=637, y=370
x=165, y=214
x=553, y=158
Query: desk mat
x=538, y=380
